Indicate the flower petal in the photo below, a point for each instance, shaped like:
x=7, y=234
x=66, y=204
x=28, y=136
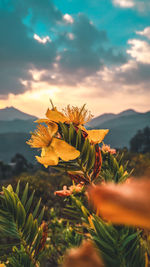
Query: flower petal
x=41, y=137
x=42, y=121
x=97, y=136
x=63, y=150
x=55, y=115
x=124, y=204
x=48, y=157
x=52, y=128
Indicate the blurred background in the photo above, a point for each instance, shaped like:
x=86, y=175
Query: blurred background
x=73, y=52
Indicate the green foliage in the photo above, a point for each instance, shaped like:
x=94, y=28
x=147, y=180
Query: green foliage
x=20, y=225
x=119, y=246
x=19, y=259
x=138, y=163
x=140, y=143
x=113, y=169
x=86, y=162
x=22, y=211
x=61, y=236
x=44, y=184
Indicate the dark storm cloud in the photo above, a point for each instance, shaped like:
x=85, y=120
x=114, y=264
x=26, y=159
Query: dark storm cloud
x=80, y=56
x=139, y=75
x=81, y=52
x=142, y=6
x=10, y=79
x=86, y=51
x=82, y=48
x=19, y=52
x=18, y=47
x=39, y=10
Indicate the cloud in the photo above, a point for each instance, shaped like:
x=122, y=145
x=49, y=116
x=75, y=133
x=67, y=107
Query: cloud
x=140, y=50
x=71, y=36
x=113, y=84
x=140, y=5
x=86, y=50
x=78, y=43
x=124, y=3
x=68, y=18
x=36, y=11
x=19, y=52
x=134, y=73
x=43, y=40
x=132, y=76
x=72, y=58
x=145, y=32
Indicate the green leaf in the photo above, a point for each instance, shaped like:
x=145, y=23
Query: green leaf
x=85, y=151
x=25, y=194
x=130, y=238
x=29, y=202
x=36, y=208
x=34, y=231
x=37, y=240
x=91, y=159
x=65, y=131
x=18, y=187
x=9, y=188
x=40, y=217
x=72, y=135
x=28, y=226
x=78, y=140
x=9, y=200
x=21, y=215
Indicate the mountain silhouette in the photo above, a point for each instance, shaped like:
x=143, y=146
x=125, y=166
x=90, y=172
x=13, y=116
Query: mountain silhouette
x=15, y=128
x=11, y=113
x=122, y=126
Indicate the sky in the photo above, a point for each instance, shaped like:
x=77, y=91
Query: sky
x=74, y=52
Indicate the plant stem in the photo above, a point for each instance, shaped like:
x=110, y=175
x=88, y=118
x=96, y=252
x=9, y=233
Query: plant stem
x=27, y=250
x=87, y=177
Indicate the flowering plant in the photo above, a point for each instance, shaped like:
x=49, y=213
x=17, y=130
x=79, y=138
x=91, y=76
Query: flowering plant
x=111, y=225
x=89, y=164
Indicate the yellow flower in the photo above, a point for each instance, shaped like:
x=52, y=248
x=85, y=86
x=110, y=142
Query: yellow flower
x=52, y=147
x=55, y=115
x=97, y=136
x=77, y=116
x=43, y=135
x=128, y=203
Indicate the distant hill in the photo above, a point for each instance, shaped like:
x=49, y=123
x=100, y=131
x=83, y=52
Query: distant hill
x=17, y=126
x=11, y=113
x=109, y=116
x=122, y=126
x=12, y=143
x=15, y=132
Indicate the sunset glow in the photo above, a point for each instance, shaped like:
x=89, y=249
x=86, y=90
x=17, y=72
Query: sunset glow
x=75, y=54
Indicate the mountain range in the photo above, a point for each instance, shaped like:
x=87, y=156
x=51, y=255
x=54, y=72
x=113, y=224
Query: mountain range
x=122, y=127
x=11, y=113
x=15, y=127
